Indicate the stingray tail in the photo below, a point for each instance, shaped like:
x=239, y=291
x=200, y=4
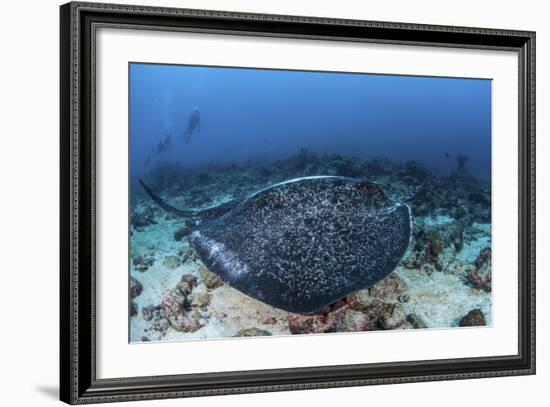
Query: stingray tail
x=164, y=205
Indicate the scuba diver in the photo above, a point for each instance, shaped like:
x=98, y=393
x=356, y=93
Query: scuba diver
x=194, y=124
x=161, y=147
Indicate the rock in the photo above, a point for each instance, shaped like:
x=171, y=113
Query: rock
x=480, y=280
x=460, y=212
x=428, y=268
x=181, y=233
x=184, y=288
x=403, y=298
x=135, y=288
x=148, y=312
x=141, y=264
x=155, y=315
x=473, y=318
x=145, y=339
x=409, y=262
x=416, y=322
x=359, y=300
x=483, y=258
x=388, y=288
x=173, y=303
x=141, y=268
x=189, y=279
x=209, y=279
x=353, y=321
x=427, y=257
x=436, y=243
x=142, y=219
x=171, y=262
x=133, y=309
x=186, y=284
x=252, y=332
x=183, y=254
x=481, y=277
x=392, y=317
x=200, y=300
x=189, y=322
x=270, y=321
x=437, y=247
x=174, y=306
x=307, y=324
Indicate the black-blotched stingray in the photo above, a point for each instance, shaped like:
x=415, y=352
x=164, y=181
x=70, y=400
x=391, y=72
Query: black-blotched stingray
x=302, y=244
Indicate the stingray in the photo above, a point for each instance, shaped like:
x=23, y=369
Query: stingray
x=302, y=244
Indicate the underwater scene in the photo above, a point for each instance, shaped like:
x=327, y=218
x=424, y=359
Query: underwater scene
x=277, y=202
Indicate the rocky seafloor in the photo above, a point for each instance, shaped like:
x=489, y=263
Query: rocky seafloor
x=443, y=281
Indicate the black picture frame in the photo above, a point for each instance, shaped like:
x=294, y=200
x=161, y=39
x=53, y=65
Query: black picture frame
x=78, y=382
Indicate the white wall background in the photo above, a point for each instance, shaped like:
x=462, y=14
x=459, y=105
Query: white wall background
x=29, y=163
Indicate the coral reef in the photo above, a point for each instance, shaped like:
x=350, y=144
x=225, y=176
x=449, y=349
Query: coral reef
x=443, y=281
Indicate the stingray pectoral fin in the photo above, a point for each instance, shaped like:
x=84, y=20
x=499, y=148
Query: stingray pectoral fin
x=164, y=205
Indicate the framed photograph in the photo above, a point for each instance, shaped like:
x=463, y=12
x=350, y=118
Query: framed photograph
x=255, y=203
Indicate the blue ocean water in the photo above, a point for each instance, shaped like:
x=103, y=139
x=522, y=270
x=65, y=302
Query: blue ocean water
x=259, y=114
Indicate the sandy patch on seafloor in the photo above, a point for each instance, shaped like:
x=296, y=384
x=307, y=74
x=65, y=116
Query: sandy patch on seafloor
x=442, y=299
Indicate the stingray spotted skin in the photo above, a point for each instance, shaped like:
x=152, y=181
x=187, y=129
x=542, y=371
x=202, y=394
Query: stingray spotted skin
x=303, y=244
